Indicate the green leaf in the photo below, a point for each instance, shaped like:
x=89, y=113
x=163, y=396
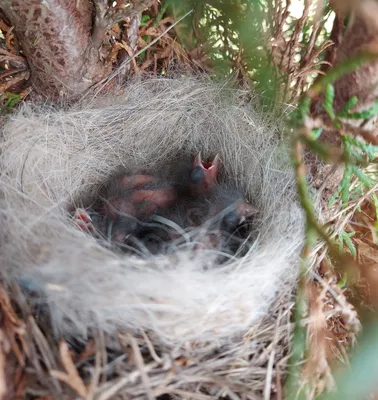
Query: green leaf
x=11, y=100
x=348, y=106
x=345, y=184
x=349, y=243
x=342, y=284
x=328, y=101
x=365, y=114
x=304, y=107
x=162, y=11
x=334, y=196
x=144, y=20
x=315, y=134
x=328, y=258
x=365, y=180
x=368, y=148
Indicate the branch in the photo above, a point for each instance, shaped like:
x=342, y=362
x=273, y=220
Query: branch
x=57, y=43
x=107, y=17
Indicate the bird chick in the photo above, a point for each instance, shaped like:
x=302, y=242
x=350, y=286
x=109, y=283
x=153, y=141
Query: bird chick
x=207, y=207
x=145, y=211
x=230, y=207
x=211, y=199
x=129, y=199
x=169, y=221
x=203, y=175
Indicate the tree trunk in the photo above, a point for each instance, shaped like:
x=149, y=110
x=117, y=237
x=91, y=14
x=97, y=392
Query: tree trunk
x=361, y=34
x=55, y=36
x=363, y=82
x=64, y=40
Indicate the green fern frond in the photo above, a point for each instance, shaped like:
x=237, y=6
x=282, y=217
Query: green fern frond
x=328, y=101
x=352, y=102
x=346, y=237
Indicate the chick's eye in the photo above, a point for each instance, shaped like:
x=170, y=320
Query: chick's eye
x=197, y=175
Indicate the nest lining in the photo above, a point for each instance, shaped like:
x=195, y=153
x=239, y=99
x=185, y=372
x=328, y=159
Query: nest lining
x=56, y=159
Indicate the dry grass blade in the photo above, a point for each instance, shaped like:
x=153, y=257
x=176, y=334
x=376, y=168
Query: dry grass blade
x=13, y=65
x=317, y=370
x=71, y=377
x=151, y=348
x=141, y=367
x=109, y=390
x=268, y=380
x=100, y=349
x=100, y=85
x=7, y=309
x=14, y=328
x=298, y=44
x=3, y=365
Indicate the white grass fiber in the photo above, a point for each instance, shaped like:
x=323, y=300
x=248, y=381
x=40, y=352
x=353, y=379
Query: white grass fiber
x=54, y=157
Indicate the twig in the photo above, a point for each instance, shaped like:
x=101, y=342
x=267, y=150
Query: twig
x=114, y=387
x=346, y=129
x=71, y=377
x=279, y=383
x=97, y=371
x=12, y=56
x=11, y=72
x=140, y=365
x=305, y=200
x=350, y=65
x=16, y=79
x=355, y=130
x=151, y=348
x=189, y=395
x=3, y=363
x=43, y=347
x=269, y=374
x=106, y=80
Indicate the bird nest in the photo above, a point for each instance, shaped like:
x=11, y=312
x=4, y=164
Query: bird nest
x=188, y=322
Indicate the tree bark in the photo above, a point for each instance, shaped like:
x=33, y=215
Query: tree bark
x=361, y=34
x=55, y=36
x=64, y=40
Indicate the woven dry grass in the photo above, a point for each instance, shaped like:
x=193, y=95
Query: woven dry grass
x=178, y=323
x=123, y=363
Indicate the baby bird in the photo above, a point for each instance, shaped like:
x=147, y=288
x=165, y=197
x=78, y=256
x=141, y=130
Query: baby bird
x=130, y=199
x=211, y=199
x=133, y=204
x=205, y=204
x=203, y=175
x=147, y=212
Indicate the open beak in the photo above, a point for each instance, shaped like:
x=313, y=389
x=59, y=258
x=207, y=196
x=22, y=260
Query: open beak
x=245, y=210
x=210, y=169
